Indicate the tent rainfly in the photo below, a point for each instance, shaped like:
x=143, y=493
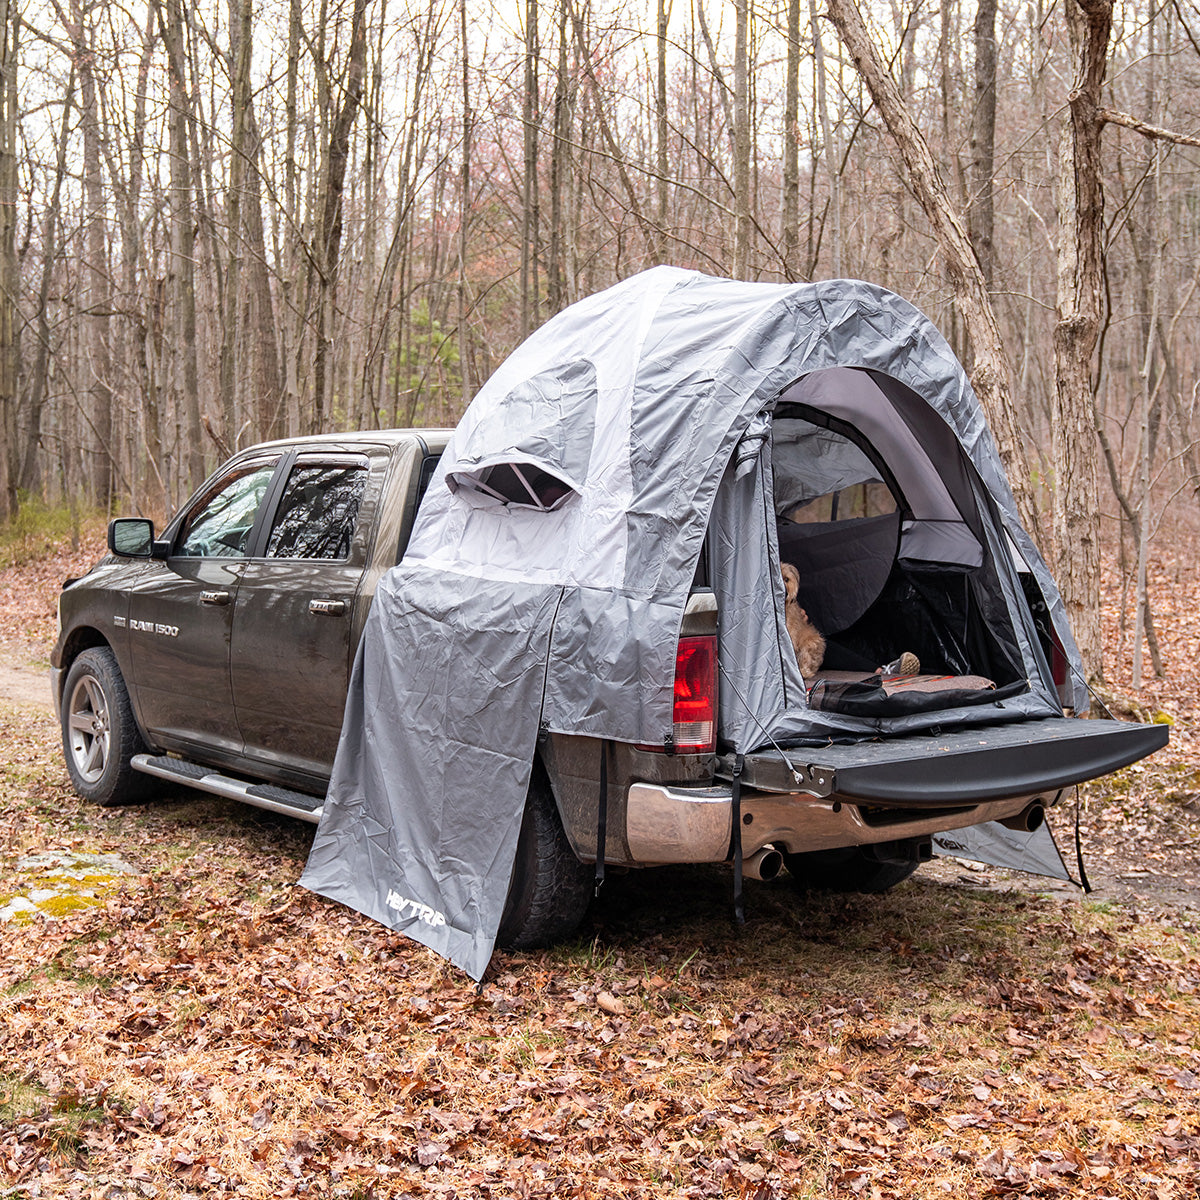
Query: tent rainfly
x=671, y=416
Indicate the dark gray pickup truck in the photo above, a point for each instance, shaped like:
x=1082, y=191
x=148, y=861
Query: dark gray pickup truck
x=217, y=655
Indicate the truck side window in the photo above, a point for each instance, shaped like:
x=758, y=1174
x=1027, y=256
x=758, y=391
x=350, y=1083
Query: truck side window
x=318, y=511
x=220, y=526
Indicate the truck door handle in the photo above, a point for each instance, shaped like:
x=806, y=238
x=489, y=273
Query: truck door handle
x=327, y=608
x=214, y=597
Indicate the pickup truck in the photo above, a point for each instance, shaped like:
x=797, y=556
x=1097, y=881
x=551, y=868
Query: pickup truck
x=216, y=654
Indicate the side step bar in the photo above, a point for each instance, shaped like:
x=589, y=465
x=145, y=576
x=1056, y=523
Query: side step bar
x=261, y=795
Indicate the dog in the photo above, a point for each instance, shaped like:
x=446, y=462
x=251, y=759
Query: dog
x=808, y=644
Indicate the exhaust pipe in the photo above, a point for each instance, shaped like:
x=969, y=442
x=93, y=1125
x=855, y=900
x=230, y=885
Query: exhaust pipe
x=764, y=864
x=1031, y=817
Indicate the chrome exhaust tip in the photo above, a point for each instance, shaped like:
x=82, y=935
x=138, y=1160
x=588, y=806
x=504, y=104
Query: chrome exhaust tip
x=1030, y=818
x=764, y=864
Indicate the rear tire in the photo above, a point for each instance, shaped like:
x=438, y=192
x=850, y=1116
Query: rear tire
x=99, y=733
x=853, y=869
x=550, y=888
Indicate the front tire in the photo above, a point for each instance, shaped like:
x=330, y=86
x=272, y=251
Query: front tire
x=550, y=888
x=99, y=733
x=855, y=868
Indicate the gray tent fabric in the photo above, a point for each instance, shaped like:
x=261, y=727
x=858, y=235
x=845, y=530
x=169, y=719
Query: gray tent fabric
x=1034, y=852
x=401, y=838
x=547, y=572
x=546, y=423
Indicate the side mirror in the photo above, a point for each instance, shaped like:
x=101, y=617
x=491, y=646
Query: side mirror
x=131, y=537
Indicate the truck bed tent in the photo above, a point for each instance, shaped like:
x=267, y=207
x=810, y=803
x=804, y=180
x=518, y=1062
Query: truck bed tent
x=544, y=584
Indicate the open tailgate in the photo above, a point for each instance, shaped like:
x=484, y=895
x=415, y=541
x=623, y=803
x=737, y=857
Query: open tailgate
x=987, y=762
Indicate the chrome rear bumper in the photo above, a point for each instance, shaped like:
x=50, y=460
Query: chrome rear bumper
x=675, y=824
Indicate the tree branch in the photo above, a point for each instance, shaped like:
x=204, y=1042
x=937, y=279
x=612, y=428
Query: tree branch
x=1112, y=116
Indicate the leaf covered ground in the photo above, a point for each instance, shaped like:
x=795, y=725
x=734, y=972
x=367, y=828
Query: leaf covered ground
x=200, y=1026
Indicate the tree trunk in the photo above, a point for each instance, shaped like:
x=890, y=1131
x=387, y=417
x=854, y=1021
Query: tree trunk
x=183, y=248
x=529, y=199
x=464, y=205
x=662, y=162
x=329, y=239
x=981, y=214
x=30, y=466
x=993, y=373
x=555, y=268
x=10, y=278
x=829, y=153
x=96, y=298
x=741, y=141
x=790, y=232
x=240, y=23
x=1080, y=299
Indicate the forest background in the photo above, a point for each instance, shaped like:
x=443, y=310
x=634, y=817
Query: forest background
x=224, y=222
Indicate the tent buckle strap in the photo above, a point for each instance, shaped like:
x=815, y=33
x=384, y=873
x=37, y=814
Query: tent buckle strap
x=602, y=819
x=735, y=848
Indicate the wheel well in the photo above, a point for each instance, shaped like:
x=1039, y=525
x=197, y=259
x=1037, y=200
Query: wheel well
x=87, y=637
x=79, y=640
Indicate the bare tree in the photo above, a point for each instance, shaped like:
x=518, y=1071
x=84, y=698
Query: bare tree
x=992, y=371
x=981, y=213
x=327, y=247
x=741, y=141
x=662, y=160
x=790, y=234
x=31, y=463
x=10, y=25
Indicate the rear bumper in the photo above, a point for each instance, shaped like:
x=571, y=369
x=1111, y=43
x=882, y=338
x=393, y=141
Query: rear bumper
x=666, y=824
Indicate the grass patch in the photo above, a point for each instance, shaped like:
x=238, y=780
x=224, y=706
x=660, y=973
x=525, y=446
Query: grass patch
x=20, y=1098
x=39, y=530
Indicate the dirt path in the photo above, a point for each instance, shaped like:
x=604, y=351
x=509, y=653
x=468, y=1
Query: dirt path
x=23, y=682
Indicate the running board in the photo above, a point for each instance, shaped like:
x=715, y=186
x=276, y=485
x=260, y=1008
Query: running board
x=261, y=795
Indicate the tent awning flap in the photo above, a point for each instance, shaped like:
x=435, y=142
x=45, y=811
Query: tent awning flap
x=537, y=449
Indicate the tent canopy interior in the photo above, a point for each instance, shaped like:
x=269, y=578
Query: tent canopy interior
x=875, y=507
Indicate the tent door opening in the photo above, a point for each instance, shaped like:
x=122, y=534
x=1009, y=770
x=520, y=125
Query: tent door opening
x=875, y=508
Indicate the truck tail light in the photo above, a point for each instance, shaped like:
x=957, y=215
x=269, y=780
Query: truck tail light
x=694, y=720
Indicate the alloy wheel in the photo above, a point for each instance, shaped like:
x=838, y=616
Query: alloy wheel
x=89, y=726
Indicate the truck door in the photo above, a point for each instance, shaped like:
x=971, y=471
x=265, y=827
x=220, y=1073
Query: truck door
x=291, y=648
x=181, y=609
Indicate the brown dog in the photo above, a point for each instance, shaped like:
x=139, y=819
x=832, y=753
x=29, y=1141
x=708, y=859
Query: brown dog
x=808, y=644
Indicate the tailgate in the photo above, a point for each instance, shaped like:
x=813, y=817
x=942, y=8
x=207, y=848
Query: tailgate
x=990, y=762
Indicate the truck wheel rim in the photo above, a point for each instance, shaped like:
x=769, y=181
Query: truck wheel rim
x=88, y=727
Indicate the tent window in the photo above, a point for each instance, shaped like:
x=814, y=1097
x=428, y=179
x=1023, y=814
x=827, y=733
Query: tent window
x=868, y=499
x=520, y=484
x=838, y=521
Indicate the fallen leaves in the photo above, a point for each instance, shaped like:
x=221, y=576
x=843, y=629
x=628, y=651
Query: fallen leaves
x=213, y=1030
